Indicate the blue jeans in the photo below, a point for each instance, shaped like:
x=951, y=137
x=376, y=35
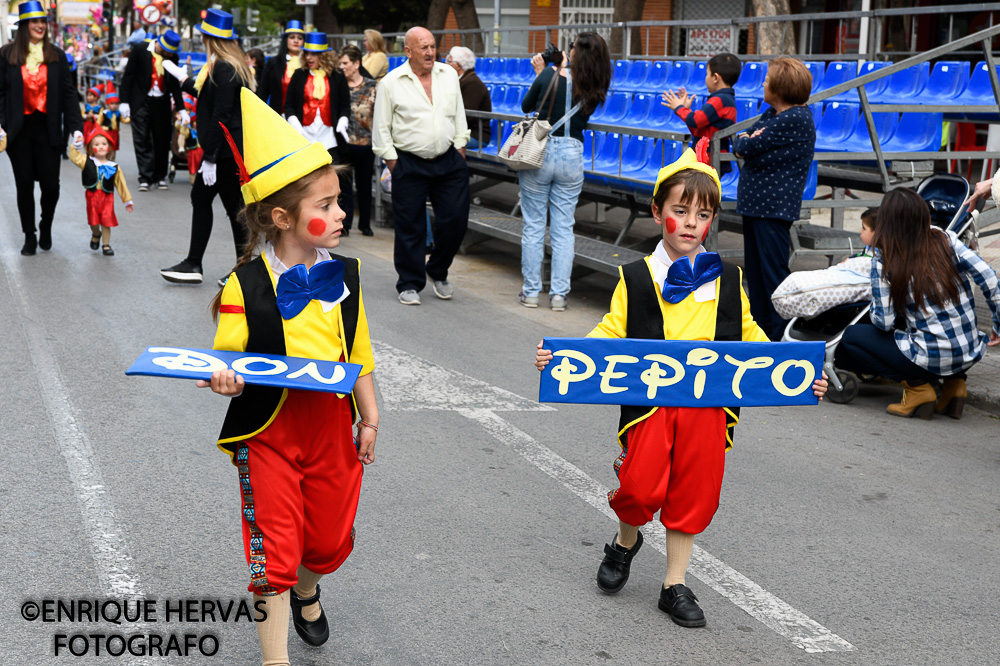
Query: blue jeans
x=870, y=350
x=554, y=190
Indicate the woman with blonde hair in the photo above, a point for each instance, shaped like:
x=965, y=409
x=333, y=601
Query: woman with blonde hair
x=217, y=88
x=375, y=61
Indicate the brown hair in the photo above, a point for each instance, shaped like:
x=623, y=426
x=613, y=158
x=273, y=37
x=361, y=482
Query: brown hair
x=789, y=79
x=591, y=70
x=16, y=53
x=260, y=223
x=917, y=255
x=352, y=52
x=698, y=187
x=869, y=216
x=375, y=40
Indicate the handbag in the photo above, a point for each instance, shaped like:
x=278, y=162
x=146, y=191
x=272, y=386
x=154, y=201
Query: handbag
x=525, y=147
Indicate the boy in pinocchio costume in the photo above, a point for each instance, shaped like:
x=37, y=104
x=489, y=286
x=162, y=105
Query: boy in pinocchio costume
x=673, y=458
x=298, y=458
x=101, y=178
x=111, y=117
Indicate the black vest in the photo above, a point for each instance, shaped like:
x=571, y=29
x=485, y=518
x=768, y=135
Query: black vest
x=255, y=408
x=645, y=321
x=89, y=176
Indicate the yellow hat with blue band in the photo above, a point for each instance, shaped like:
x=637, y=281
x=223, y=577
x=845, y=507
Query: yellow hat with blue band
x=687, y=160
x=218, y=24
x=30, y=10
x=274, y=154
x=316, y=43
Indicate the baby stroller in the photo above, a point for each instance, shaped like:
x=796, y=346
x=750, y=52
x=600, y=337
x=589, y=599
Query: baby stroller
x=944, y=194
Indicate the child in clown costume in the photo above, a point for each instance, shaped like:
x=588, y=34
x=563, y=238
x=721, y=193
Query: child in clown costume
x=101, y=177
x=299, y=461
x=673, y=458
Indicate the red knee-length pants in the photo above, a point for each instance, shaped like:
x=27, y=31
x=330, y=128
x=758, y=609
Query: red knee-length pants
x=673, y=463
x=300, y=480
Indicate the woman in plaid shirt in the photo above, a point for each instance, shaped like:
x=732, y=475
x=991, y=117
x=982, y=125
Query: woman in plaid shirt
x=923, y=314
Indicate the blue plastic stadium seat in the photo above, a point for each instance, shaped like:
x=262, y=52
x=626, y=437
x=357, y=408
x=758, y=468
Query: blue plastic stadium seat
x=730, y=182
x=607, y=157
x=663, y=119
x=917, y=132
x=636, y=75
x=751, y=83
x=696, y=81
x=947, y=81
x=979, y=90
x=859, y=141
x=637, y=153
x=484, y=69
x=491, y=147
x=664, y=152
x=874, y=90
x=511, y=71
x=839, y=120
x=656, y=79
x=639, y=110
x=527, y=72
x=592, y=142
x=817, y=111
x=508, y=127
x=812, y=180
x=497, y=96
x=678, y=74
x=613, y=109
x=746, y=107
x=905, y=86
x=838, y=72
x=619, y=74
x=815, y=68
x=512, y=100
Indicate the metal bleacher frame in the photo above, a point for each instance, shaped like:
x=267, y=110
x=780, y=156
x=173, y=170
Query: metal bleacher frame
x=806, y=238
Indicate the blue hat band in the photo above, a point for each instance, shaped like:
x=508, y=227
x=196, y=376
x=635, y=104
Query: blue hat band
x=30, y=10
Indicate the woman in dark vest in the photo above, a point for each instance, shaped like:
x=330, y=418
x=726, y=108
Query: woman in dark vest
x=279, y=69
x=217, y=87
x=38, y=103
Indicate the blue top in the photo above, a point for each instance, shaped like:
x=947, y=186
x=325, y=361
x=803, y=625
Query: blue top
x=776, y=164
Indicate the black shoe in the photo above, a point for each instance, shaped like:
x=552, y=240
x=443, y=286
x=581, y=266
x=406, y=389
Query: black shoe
x=182, y=273
x=679, y=602
x=367, y=232
x=108, y=252
x=613, y=572
x=44, y=238
x=95, y=242
x=315, y=632
x=30, y=245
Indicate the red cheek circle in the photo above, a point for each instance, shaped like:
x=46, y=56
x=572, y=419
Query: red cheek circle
x=671, y=224
x=317, y=227
x=705, y=235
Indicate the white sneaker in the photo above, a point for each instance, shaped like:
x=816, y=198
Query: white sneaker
x=409, y=297
x=557, y=302
x=528, y=301
x=144, y=187
x=162, y=185
x=443, y=290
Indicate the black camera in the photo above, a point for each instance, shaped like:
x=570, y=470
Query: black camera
x=552, y=55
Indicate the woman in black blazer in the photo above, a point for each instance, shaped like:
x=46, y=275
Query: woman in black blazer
x=278, y=70
x=35, y=139
x=217, y=87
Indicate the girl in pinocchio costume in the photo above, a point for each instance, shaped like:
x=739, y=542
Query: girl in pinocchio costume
x=673, y=458
x=187, y=136
x=91, y=108
x=299, y=462
x=101, y=177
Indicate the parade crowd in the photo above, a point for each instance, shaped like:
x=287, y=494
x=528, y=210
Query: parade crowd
x=290, y=146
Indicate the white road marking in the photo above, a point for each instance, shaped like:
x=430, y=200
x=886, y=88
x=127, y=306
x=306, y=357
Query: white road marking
x=408, y=383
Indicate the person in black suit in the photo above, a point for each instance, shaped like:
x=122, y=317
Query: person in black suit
x=35, y=75
x=145, y=93
x=279, y=69
x=217, y=87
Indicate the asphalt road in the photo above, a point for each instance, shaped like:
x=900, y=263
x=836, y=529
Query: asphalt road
x=868, y=538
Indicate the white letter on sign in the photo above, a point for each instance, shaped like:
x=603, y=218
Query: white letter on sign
x=778, y=377
x=702, y=357
x=564, y=372
x=187, y=359
x=609, y=372
x=743, y=366
x=277, y=367
x=654, y=376
x=311, y=370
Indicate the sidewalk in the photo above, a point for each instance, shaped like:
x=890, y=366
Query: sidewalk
x=983, y=383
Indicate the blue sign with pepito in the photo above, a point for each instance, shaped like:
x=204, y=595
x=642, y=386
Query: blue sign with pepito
x=262, y=369
x=680, y=373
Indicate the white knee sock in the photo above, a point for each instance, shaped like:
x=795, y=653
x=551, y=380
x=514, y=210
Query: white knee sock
x=273, y=632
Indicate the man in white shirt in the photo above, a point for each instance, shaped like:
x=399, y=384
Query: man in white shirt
x=419, y=129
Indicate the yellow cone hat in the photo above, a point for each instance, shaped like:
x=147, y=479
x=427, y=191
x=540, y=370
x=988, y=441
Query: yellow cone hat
x=686, y=161
x=274, y=154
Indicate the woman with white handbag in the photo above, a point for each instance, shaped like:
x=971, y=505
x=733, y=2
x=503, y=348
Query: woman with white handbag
x=581, y=83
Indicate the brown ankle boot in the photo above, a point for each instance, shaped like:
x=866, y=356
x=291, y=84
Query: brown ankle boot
x=917, y=400
x=952, y=400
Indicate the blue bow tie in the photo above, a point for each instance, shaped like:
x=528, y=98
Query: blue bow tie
x=106, y=171
x=682, y=278
x=297, y=286
x=112, y=114
x=93, y=108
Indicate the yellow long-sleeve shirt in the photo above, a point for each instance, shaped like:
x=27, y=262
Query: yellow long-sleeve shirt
x=80, y=159
x=687, y=320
